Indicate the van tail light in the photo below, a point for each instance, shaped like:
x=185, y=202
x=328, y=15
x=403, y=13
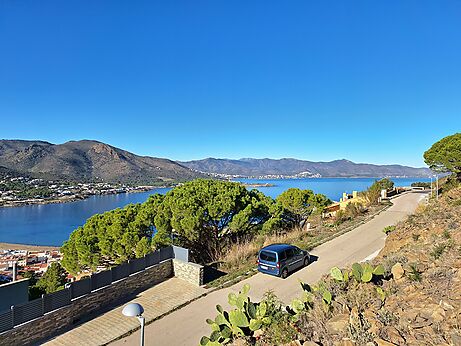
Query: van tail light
x=278, y=264
x=257, y=261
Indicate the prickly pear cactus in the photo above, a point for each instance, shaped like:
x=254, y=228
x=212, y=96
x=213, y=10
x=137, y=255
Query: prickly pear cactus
x=244, y=319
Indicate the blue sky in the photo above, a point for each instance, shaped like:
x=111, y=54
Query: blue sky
x=369, y=81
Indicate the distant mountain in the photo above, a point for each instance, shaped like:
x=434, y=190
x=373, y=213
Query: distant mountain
x=248, y=167
x=87, y=161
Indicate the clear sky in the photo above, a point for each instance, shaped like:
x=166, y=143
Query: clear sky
x=370, y=81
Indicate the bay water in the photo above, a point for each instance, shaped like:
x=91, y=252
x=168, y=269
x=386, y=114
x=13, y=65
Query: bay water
x=51, y=224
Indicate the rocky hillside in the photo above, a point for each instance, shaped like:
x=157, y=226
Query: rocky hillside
x=88, y=161
x=418, y=299
x=293, y=167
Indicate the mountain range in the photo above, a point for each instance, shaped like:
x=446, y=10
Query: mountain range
x=248, y=167
x=88, y=160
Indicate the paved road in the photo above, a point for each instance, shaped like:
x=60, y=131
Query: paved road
x=187, y=325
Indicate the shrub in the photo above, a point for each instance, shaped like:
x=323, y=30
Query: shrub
x=354, y=209
x=438, y=251
x=243, y=320
x=414, y=274
x=386, y=317
x=389, y=229
x=421, y=184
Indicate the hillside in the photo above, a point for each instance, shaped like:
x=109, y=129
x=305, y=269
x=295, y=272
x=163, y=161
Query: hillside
x=417, y=301
x=410, y=294
x=88, y=161
x=292, y=167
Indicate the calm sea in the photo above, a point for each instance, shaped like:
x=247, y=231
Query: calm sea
x=51, y=224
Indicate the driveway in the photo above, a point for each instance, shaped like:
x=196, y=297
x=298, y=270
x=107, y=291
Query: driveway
x=187, y=325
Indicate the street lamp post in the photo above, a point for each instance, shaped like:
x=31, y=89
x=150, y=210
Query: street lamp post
x=135, y=310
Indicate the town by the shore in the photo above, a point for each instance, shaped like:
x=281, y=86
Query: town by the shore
x=20, y=191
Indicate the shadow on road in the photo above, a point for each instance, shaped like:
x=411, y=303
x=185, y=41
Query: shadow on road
x=314, y=258
x=211, y=272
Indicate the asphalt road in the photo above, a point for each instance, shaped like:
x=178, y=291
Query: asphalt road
x=187, y=325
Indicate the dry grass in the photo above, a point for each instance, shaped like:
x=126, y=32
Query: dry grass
x=239, y=261
x=241, y=253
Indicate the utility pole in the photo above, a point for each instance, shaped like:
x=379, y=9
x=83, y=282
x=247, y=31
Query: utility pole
x=432, y=189
x=437, y=184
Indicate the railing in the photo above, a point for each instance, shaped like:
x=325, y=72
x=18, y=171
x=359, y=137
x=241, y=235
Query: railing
x=22, y=313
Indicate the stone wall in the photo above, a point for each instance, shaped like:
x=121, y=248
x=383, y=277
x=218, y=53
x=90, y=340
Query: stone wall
x=59, y=320
x=188, y=271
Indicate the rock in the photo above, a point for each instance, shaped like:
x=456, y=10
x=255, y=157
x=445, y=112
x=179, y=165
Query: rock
x=354, y=317
x=397, y=271
x=258, y=333
x=446, y=306
x=293, y=343
x=421, y=324
x=409, y=289
x=346, y=342
x=381, y=342
x=438, y=315
x=428, y=310
x=239, y=342
x=455, y=338
x=310, y=343
x=394, y=336
x=338, y=323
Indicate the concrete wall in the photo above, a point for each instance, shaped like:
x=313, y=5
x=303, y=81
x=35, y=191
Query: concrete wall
x=14, y=293
x=188, y=271
x=57, y=321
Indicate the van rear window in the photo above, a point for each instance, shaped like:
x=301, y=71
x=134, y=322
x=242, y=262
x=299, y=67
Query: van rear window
x=267, y=256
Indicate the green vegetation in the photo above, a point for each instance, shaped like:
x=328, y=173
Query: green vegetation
x=301, y=204
x=414, y=274
x=276, y=325
x=205, y=216
x=244, y=319
x=22, y=190
x=438, y=250
x=351, y=211
x=360, y=272
x=112, y=237
x=53, y=280
x=373, y=193
x=388, y=229
x=384, y=303
x=445, y=155
x=421, y=184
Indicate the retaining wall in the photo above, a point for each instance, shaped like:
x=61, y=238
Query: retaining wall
x=58, y=320
x=188, y=271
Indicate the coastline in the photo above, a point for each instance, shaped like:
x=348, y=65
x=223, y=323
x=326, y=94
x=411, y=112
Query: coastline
x=75, y=198
x=13, y=246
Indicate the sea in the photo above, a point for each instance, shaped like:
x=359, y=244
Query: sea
x=51, y=224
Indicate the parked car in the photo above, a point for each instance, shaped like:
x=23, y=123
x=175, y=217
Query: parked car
x=282, y=259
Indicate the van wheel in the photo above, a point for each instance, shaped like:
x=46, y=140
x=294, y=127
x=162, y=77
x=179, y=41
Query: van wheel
x=307, y=260
x=284, y=274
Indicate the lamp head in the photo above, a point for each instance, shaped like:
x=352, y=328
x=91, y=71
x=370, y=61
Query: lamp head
x=133, y=310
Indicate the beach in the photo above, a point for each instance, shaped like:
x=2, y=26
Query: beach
x=10, y=246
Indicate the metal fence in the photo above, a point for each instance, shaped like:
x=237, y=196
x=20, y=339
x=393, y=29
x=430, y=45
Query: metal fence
x=22, y=313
